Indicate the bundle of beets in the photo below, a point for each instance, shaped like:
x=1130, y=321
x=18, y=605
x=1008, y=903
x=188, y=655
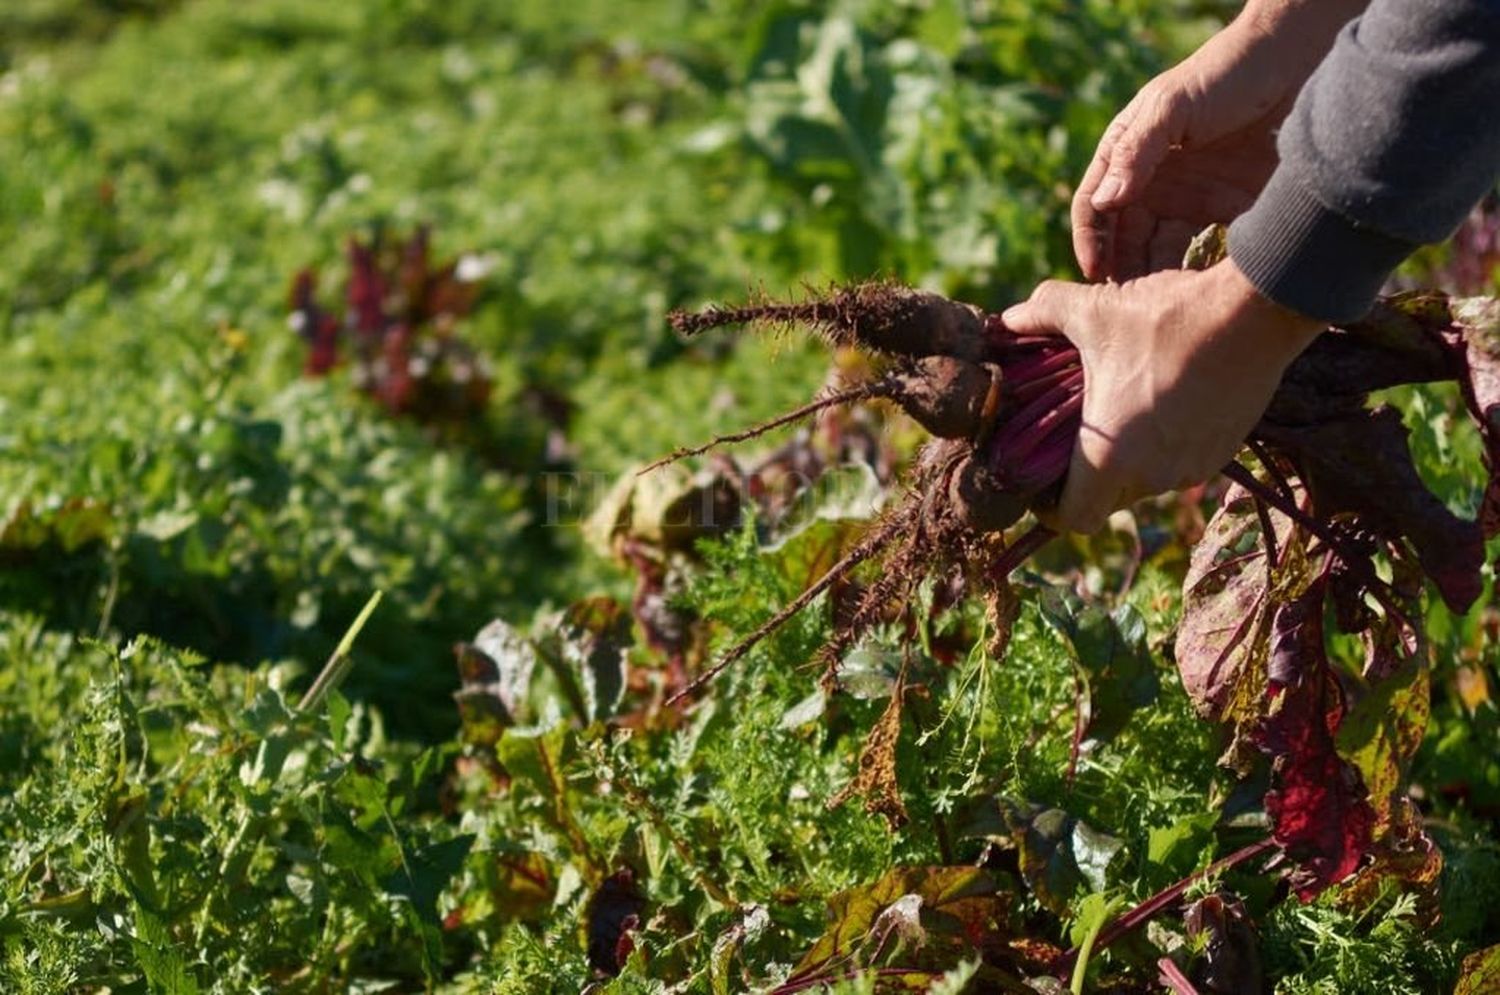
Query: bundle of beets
x=1329, y=519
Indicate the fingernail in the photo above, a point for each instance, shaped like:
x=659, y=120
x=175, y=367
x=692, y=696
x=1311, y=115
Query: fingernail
x=1107, y=192
x=1012, y=314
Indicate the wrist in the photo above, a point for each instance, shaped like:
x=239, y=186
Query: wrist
x=1314, y=19
x=1284, y=331
x=1300, y=30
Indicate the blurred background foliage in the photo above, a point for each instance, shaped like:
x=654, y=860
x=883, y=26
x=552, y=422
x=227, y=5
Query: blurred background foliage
x=168, y=166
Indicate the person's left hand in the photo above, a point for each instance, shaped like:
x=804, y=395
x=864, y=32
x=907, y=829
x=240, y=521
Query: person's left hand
x=1178, y=368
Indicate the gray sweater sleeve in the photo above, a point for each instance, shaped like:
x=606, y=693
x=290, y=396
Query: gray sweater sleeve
x=1390, y=143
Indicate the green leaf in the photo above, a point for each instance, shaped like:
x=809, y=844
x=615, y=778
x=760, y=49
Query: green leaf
x=339, y=714
x=158, y=954
x=1110, y=655
x=1175, y=850
x=1059, y=854
x=425, y=872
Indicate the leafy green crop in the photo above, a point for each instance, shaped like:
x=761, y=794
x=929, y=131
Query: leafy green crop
x=188, y=528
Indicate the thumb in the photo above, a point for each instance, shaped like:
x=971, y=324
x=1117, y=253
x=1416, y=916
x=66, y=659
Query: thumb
x=1050, y=310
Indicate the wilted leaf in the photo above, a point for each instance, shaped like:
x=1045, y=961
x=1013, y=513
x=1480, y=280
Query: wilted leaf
x=944, y=915
x=1480, y=974
x=1398, y=341
x=1381, y=732
x=1208, y=247
x=876, y=779
x=1363, y=464
x=1224, y=635
x=669, y=509
x=1405, y=857
x=1472, y=683
x=1479, y=319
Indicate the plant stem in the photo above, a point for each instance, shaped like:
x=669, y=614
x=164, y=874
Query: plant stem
x=1025, y=440
x=1173, y=978
x=337, y=667
x=1081, y=966
x=1021, y=550
x=1162, y=900
x=1320, y=530
x=1022, y=391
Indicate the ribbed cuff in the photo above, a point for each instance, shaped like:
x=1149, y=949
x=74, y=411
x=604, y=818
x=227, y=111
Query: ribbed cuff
x=1310, y=258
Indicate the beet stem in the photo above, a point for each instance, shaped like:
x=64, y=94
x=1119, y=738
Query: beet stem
x=1269, y=462
x=1034, y=367
x=1162, y=900
x=1026, y=430
x=1173, y=978
x=1025, y=390
x=1049, y=460
x=1022, y=550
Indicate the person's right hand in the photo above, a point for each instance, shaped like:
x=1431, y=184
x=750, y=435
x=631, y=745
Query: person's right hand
x=1197, y=143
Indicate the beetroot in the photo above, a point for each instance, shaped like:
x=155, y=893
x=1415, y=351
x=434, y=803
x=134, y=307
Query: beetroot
x=1334, y=506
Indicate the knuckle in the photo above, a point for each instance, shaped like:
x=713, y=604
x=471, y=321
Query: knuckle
x=1168, y=102
x=1118, y=127
x=1047, y=292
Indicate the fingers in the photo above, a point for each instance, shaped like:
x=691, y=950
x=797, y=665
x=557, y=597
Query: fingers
x=1093, y=231
x=1052, y=309
x=1143, y=141
x=1107, y=243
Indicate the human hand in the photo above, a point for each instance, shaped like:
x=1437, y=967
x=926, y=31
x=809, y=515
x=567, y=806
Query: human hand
x=1178, y=368
x=1196, y=144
